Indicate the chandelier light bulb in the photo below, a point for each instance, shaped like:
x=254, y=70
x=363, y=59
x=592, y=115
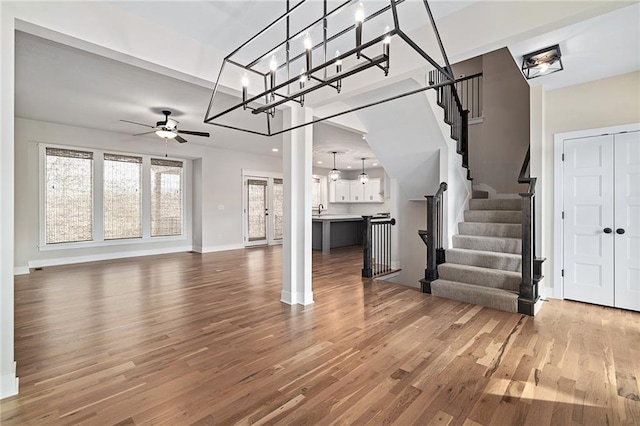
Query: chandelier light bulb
x=273, y=65
x=360, y=13
x=308, y=44
x=339, y=61
x=245, y=81
x=387, y=39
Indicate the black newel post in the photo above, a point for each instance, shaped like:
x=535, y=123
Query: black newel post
x=367, y=270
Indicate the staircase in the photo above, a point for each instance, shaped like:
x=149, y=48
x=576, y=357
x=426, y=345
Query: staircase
x=484, y=266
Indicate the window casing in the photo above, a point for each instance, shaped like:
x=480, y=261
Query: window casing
x=115, y=199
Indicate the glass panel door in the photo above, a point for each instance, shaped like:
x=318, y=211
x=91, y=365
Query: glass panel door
x=257, y=211
x=278, y=201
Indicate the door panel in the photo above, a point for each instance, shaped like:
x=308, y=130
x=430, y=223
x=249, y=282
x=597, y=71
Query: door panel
x=588, y=207
x=627, y=215
x=277, y=210
x=257, y=211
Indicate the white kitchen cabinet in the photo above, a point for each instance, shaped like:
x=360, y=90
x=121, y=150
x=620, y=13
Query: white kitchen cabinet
x=339, y=192
x=356, y=191
x=352, y=191
x=372, y=191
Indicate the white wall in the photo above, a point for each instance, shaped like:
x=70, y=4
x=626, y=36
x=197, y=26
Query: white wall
x=214, y=194
x=607, y=102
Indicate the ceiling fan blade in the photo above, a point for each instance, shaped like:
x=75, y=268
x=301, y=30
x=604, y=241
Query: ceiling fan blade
x=189, y=132
x=144, y=133
x=139, y=124
x=180, y=139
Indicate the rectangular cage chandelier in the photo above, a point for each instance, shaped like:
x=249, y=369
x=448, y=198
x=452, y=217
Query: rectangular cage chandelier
x=314, y=52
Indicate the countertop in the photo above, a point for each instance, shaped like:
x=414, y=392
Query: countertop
x=336, y=217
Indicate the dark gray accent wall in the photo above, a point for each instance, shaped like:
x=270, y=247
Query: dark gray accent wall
x=499, y=143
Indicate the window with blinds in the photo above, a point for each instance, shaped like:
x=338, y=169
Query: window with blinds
x=166, y=197
x=68, y=196
x=122, y=196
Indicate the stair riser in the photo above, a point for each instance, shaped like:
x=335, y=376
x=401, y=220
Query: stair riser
x=493, y=216
x=504, y=301
x=488, y=278
x=490, y=229
x=497, y=245
x=495, y=204
x=485, y=260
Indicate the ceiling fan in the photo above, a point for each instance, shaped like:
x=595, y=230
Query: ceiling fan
x=168, y=129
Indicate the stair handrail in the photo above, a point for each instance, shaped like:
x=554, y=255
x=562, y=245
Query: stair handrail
x=528, y=292
x=373, y=249
x=432, y=237
x=455, y=114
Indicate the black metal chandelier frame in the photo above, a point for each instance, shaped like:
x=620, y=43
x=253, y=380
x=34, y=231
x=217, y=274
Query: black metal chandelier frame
x=273, y=94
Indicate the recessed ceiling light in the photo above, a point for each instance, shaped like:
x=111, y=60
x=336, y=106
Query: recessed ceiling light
x=319, y=162
x=274, y=149
x=364, y=137
x=348, y=167
x=374, y=164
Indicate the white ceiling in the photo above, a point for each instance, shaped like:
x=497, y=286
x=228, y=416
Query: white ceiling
x=57, y=83
x=60, y=84
x=600, y=47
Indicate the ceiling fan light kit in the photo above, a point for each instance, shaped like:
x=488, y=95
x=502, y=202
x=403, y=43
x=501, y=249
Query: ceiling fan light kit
x=167, y=129
x=292, y=60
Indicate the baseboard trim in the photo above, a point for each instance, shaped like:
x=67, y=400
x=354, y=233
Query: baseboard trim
x=296, y=298
x=212, y=249
x=106, y=256
x=9, y=384
x=21, y=270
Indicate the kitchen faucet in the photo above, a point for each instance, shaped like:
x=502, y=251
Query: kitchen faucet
x=320, y=207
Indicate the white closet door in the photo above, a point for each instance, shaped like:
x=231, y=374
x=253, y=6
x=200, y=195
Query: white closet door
x=589, y=223
x=627, y=220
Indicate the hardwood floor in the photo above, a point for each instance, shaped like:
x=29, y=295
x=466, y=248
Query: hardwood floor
x=189, y=339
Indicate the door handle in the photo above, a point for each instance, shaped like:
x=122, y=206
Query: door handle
x=620, y=231
x=608, y=230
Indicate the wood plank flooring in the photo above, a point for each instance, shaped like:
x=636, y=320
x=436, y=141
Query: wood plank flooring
x=189, y=339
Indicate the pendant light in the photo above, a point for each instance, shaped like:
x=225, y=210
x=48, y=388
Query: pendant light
x=363, y=177
x=334, y=174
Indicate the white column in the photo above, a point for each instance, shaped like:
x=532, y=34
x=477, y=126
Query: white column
x=8, y=380
x=296, y=248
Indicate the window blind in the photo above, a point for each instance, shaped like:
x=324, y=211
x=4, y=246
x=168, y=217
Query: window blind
x=166, y=197
x=122, y=196
x=68, y=196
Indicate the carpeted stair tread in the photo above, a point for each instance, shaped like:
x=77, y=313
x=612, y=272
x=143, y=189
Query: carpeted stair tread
x=493, y=216
x=495, y=204
x=497, y=244
x=484, y=259
x=509, y=230
x=496, y=298
x=485, y=277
